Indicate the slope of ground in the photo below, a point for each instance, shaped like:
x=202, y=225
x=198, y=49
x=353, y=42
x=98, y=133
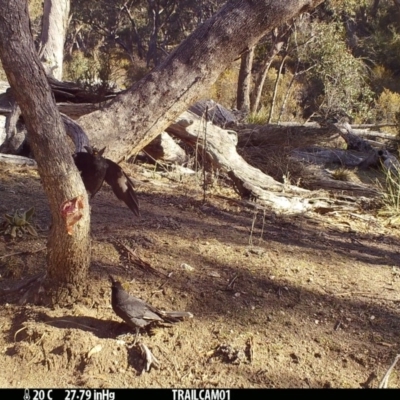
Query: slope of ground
x=278, y=301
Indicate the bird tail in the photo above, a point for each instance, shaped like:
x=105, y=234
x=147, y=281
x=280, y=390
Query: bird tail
x=175, y=316
x=133, y=202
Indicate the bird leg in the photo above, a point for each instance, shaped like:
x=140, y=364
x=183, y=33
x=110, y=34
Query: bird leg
x=136, y=336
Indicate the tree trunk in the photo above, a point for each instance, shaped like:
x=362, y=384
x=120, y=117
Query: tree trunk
x=68, y=254
x=147, y=108
x=278, y=77
x=54, y=28
x=244, y=81
x=154, y=18
x=279, y=41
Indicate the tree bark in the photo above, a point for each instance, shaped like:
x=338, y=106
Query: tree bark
x=68, y=254
x=137, y=116
x=54, y=28
x=244, y=81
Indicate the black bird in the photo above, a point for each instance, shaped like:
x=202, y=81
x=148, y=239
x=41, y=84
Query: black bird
x=95, y=169
x=138, y=314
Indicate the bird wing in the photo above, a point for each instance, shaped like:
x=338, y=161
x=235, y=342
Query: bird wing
x=122, y=186
x=136, y=308
x=92, y=171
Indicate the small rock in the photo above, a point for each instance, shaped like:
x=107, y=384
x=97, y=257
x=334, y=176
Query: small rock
x=94, y=350
x=256, y=250
x=187, y=267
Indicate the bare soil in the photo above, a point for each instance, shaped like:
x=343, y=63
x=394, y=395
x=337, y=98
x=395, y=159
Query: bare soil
x=278, y=301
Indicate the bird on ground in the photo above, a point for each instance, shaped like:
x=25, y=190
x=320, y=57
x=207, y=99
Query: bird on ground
x=95, y=169
x=138, y=314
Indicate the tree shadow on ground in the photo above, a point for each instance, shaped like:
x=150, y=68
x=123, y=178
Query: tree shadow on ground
x=299, y=292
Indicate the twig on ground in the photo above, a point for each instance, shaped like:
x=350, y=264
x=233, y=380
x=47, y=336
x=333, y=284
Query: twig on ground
x=149, y=357
x=384, y=382
x=24, y=252
x=138, y=262
x=231, y=282
x=252, y=229
x=18, y=331
x=262, y=228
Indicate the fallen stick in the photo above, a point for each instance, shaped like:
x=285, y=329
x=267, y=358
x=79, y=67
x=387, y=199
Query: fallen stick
x=384, y=382
x=149, y=358
x=138, y=262
x=23, y=252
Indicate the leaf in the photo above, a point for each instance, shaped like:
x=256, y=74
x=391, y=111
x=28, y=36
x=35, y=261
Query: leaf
x=13, y=232
x=9, y=218
x=29, y=214
x=31, y=230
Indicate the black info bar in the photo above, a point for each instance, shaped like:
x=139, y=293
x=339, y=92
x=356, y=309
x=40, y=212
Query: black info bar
x=118, y=394
x=173, y=394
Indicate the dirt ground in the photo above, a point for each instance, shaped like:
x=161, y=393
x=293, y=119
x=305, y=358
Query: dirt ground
x=278, y=301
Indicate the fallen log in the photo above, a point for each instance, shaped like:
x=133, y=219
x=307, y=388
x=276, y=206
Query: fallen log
x=164, y=148
x=323, y=156
x=17, y=160
x=220, y=147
